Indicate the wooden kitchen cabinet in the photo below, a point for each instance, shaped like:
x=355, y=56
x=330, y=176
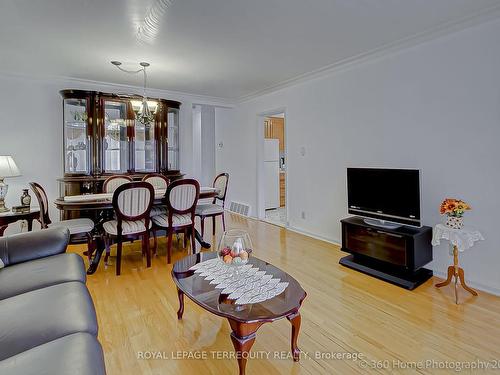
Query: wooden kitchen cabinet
x=274, y=128
x=282, y=189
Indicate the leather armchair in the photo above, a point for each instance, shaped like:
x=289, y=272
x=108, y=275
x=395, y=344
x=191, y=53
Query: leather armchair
x=49, y=323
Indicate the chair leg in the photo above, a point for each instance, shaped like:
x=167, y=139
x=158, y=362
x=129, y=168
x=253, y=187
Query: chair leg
x=147, y=249
x=193, y=240
x=118, y=256
x=185, y=237
x=90, y=246
x=213, y=225
x=202, y=221
x=155, y=241
x=108, y=249
x=223, y=222
x=169, y=245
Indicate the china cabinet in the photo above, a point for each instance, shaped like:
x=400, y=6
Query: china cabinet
x=102, y=137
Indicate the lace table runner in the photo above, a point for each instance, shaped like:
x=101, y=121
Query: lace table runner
x=245, y=285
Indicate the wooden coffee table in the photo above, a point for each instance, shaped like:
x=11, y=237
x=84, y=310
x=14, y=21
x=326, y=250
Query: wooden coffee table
x=245, y=320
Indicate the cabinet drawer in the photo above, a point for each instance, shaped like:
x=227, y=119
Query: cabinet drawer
x=377, y=244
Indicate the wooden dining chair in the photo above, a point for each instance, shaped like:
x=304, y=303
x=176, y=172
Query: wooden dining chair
x=158, y=181
x=180, y=199
x=80, y=230
x=213, y=209
x=132, y=203
x=112, y=183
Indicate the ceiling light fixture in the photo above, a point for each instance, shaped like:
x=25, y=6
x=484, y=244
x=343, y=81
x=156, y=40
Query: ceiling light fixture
x=144, y=109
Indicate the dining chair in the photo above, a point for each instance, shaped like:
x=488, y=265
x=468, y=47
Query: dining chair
x=158, y=181
x=132, y=203
x=180, y=198
x=79, y=229
x=213, y=209
x=112, y=183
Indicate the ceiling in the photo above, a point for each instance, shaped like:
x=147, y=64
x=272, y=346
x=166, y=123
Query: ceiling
x=223, y=48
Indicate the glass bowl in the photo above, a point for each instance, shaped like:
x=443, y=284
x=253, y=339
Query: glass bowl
x=235, y=247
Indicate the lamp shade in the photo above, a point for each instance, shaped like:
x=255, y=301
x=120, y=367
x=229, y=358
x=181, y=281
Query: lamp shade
x=8, y=167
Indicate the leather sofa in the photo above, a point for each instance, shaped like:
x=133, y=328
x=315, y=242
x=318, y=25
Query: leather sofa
x=48, y=322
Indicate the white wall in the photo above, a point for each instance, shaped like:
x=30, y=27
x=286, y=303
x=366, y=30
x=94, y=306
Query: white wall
x=435, y=107
x=207, y=145
x=31, y=130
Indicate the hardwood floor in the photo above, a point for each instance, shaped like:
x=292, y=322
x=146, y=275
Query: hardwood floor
x=344, y=312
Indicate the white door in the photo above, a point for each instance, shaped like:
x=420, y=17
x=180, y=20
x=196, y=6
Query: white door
x=272, y=184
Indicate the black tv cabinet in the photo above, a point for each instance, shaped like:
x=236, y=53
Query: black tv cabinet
x=394, y=255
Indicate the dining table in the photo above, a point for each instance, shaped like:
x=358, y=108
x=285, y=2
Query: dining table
x=102, y=202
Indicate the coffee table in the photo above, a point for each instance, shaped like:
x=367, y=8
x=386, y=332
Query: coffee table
x=244, y=320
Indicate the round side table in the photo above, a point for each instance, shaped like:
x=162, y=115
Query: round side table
x=460, y=240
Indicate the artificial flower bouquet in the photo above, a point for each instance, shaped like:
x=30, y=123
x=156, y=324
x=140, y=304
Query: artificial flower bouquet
x=454, y=209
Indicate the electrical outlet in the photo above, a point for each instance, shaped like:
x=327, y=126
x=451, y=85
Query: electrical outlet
x=303, y=215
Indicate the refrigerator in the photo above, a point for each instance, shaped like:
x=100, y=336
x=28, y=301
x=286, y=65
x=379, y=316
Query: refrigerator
x=271, y=173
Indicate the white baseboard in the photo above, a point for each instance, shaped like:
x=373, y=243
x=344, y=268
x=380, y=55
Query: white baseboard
x=333, y=241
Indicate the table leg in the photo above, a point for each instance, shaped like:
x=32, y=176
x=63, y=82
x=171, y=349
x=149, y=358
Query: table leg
x=464, y=285
x=97, y=256
x=451, y=271
x=30, y=224
x=180, y=295
x=243, y=337
x=200, y=240
x=295, y=319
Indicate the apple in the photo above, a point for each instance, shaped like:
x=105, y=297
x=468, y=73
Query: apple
x=244, y=255
x=227, y=259
x=234, y=254
x=225, y=251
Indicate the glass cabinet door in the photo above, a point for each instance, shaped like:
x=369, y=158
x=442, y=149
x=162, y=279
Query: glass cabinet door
x=144, y=145
x=76, y=140
x=173, y=139
x=115, y=142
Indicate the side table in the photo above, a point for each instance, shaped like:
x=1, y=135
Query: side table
x=461, y=240
x=10, y=217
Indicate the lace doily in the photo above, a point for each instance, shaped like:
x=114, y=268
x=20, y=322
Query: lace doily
x=463, y=239
x=245, y=285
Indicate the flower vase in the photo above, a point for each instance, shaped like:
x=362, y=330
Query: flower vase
x=454, y=222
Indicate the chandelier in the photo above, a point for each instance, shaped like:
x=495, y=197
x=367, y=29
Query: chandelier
x=144, y=109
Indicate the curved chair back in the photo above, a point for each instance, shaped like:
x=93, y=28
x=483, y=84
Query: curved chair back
x=182, y=196
x=133, y=201
x=158, y=181
x=43, y=202
x=220, y=183
x=113, y=182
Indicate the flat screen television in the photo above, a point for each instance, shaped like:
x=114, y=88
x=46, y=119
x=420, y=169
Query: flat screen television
x=389, y=195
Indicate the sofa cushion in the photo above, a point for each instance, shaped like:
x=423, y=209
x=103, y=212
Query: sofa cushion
x=209, y=209
x=177, y=220
x=76, y=354
x=40, y=273
x=35, y=318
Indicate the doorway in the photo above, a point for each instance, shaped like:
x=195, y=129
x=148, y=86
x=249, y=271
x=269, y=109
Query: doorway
x=274, y=169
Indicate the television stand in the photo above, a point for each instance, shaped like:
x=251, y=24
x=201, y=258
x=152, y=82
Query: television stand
x=403, y=279
x=394, y=255
x=382, y=223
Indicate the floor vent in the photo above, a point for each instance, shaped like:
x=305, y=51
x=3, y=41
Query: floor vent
x=239, y=208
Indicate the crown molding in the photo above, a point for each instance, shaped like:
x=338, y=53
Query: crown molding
x=125, y=89
x=488, y=14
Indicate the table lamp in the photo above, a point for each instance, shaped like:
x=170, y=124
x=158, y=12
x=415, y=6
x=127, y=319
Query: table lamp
x=8, y=168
